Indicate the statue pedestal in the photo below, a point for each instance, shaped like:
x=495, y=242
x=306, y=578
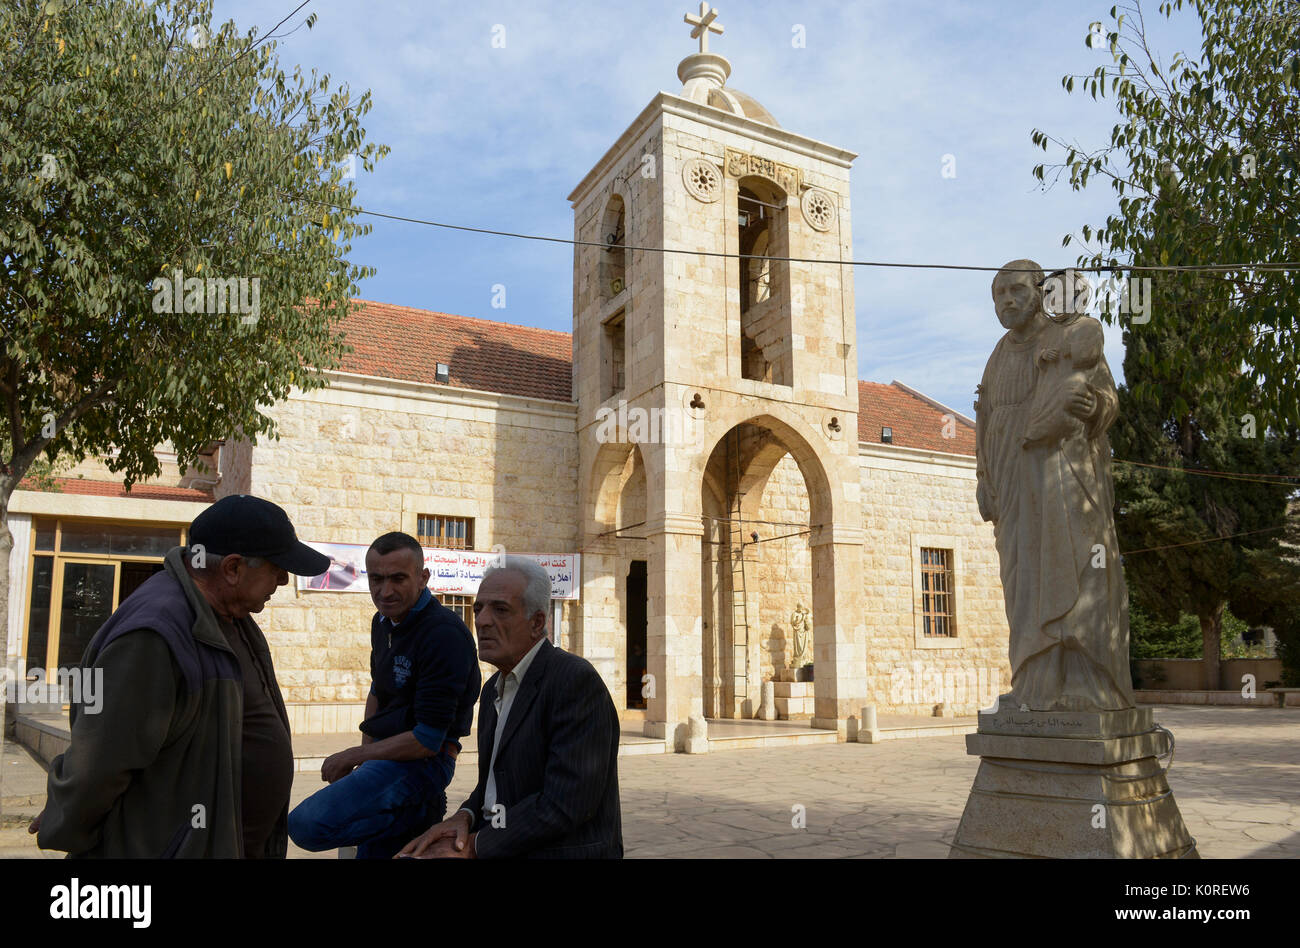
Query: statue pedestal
x=1070, y=784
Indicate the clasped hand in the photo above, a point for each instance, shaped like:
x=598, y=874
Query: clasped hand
x=449, y=839
x=1081, y=403
x=337, y=766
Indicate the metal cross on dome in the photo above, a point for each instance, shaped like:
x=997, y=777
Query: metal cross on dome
x=704, y=25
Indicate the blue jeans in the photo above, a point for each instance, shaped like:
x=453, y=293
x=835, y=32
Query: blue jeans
x=379, y=807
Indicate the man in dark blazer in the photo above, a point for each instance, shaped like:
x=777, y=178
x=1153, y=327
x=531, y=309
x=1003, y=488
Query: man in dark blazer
x=547, y=739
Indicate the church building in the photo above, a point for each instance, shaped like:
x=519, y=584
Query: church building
x=736, y=507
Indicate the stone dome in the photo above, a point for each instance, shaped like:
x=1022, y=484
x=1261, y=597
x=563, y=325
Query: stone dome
x=704, y=77
x=741, y=103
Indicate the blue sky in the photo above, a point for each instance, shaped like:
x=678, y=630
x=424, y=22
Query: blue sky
x=498, y=137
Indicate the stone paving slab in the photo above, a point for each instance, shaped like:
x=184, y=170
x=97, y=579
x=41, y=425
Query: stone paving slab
x=22, y=797
x=1234, y=776
x=22, y=777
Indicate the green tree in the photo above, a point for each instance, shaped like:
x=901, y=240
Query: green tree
x=1222, y=128
x=1149, y=638
x=1201, y=490
x=43, y=473
x=1270, y=596
x=141, y=150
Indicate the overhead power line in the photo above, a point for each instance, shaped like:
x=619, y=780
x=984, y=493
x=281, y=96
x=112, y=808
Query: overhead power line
x=1231, y=536
x=1209, y=267
x=1282, y=480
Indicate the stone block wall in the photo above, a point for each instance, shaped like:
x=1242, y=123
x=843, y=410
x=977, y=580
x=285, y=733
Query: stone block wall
x=781, y=574
x=633, y=182
x=704, y=292
x=360, y=459
x=912, y=499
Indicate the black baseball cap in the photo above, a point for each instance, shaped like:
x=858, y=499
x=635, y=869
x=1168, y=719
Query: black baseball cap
x=251, y=526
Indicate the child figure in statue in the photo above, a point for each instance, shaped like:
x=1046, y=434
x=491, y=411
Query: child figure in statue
x=1063, y=370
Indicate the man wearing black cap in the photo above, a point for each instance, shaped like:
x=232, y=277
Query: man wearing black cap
x=190, y=754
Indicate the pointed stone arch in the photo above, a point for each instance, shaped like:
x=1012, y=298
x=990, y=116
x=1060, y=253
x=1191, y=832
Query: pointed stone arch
x=615, y=499
x=734, y=649
x=763, y=240
x=817, y=465
x=613, y=274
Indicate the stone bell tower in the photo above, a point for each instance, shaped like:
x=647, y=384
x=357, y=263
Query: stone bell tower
x=713, y=332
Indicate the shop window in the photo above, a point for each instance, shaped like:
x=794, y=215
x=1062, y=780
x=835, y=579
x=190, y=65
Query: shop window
x=80, y=572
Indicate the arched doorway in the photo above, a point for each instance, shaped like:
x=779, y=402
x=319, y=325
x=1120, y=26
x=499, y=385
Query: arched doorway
x=764, y=497
x=781, y=478
x=614, y=613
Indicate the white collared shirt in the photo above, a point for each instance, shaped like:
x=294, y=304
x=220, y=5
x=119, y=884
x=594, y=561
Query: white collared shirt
x=507, y=688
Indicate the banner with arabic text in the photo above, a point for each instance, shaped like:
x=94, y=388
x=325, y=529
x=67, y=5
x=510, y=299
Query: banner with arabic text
x=454, y=572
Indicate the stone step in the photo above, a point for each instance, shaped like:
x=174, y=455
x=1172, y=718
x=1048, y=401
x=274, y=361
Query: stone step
x=46, y=740
x=930, y=730
x=1261, y=699
x=794, y=707
x=311, y=751
x=792, y=689
x=797, y=739
x=642, y=748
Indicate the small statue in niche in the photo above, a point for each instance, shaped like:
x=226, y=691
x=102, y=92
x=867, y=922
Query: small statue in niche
x=801, y=628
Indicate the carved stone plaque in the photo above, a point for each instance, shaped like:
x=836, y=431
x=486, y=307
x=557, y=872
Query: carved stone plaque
x=740, y=164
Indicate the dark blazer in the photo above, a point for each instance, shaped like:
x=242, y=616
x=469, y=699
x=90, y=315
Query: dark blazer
x=557, y=769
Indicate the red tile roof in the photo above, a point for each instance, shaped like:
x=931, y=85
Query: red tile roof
x=398, y=342
x=916, y=422
x=79, y=485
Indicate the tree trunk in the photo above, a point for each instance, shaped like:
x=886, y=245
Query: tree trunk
x=6, y=545
x=1211, y=631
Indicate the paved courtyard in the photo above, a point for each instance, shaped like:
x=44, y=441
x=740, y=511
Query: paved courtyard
x=1235, y=775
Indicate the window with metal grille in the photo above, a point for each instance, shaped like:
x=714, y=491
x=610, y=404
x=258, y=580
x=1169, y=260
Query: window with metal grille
x=448, y=533
x=463, y=606
x=936, y=593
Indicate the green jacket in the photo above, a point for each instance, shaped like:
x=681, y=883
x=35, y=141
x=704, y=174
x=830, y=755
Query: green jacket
x=156, y=773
